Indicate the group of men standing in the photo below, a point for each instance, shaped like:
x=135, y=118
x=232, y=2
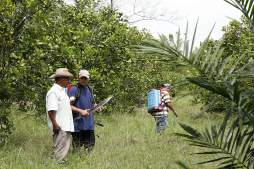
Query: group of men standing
x=70, y=118
x=68, y=113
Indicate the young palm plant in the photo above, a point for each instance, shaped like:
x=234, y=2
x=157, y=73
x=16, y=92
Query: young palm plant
x=231, y=143
x=246, y=7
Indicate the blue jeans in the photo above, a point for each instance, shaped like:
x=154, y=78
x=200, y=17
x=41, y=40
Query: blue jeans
x=161, y=123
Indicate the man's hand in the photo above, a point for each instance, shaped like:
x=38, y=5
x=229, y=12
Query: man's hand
x=80, y=111
x=52, y=116
x=84, y=113
x=170, y=106
x=56, y=128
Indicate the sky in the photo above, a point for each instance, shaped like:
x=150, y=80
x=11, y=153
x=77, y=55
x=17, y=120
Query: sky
x=170, y=15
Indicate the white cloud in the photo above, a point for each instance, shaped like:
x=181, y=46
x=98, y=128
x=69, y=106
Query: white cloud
x=209, y=12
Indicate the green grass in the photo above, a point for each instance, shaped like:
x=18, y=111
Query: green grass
x=125, y=142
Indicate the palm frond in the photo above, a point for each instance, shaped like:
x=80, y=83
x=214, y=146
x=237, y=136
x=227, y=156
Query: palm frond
x=246, y=7
x=247, y=72
x=211, y=86
x=182, y=165
x=215, y=73
x=205, y=60
x=232, y=146
x=222, y=76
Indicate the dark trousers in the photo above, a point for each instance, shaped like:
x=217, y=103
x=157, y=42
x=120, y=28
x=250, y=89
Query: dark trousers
x=83, y=138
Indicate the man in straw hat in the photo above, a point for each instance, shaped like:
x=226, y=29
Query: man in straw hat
x=60, y=118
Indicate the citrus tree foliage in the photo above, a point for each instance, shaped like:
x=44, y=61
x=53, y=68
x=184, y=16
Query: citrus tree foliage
x=84, y=36
x=236, y=42
x=14, y=15
x=39, y=36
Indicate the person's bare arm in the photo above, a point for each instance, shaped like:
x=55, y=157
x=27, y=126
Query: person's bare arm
x=52, y=117
x=80, y=111
x=170, y=106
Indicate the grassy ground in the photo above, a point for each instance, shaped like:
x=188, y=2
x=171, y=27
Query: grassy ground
x=125, y=142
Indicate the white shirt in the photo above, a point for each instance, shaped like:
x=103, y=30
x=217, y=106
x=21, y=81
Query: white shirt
x=58, y=100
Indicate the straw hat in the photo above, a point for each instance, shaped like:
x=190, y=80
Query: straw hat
x=61, y=72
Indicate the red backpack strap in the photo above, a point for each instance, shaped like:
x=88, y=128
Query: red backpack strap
x=69, y=86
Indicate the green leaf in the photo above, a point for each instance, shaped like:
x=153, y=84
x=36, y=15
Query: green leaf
x=194, y=133
x=182, y=165
x=214, y=160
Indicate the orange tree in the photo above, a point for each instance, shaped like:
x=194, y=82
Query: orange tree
x=39, y=36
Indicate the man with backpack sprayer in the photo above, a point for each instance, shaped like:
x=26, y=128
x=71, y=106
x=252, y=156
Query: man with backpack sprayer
x=81, y=97
x=159, y=103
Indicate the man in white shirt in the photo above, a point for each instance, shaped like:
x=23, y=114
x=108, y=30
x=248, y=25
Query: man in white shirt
x=59, y=114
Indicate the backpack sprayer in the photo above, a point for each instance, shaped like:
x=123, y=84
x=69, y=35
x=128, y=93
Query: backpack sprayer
x=154, y=103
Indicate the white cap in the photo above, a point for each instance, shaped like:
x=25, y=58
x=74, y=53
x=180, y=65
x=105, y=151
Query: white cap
x=84, y=73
